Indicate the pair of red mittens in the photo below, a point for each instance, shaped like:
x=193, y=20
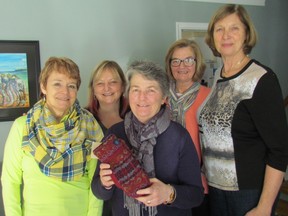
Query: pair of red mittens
x=127, y=172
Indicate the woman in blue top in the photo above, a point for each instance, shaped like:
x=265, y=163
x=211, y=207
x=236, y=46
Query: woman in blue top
x=163, y=147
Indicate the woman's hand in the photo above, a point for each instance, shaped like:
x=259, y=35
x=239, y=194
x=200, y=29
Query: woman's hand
x=158, y=193
x=105, y=175
x=258, y=212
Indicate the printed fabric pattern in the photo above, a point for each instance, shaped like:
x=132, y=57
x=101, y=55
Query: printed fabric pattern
x=128, y=174
x=216, y=126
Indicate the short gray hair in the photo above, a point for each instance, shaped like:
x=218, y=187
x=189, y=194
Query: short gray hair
x=151, y=71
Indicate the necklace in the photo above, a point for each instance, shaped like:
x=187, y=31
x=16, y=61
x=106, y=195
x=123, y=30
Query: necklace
x=239, y=62
x=234, y=66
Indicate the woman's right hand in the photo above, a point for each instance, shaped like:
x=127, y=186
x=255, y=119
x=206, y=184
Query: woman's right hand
x=105, y=175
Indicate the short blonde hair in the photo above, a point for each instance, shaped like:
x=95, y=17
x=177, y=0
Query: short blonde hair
x=200, y=65
x=93, y=103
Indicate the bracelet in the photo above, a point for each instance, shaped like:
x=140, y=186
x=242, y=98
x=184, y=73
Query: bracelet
x=107, y=188
x=172, y=196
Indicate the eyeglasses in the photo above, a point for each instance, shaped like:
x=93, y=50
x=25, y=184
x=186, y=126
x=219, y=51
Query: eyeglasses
x=187, y=62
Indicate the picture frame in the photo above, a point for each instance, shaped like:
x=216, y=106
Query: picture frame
x=19, y=71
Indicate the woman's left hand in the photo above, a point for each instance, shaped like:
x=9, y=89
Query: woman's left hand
x=258, y=212
x=158, y=193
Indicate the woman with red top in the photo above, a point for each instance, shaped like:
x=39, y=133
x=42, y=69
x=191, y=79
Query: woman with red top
x=185, y=66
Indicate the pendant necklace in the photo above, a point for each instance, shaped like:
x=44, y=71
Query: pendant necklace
x=234, y=66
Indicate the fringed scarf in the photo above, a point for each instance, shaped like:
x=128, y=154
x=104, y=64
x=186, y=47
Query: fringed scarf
x=60, y=149
x=180, y=104
x=142, y=137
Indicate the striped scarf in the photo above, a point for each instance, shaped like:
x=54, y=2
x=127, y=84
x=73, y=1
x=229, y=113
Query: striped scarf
x=60, y=149
x=143, y=137
x=180, y=104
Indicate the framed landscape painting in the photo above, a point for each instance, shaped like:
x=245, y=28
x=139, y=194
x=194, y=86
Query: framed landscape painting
x=19, y=70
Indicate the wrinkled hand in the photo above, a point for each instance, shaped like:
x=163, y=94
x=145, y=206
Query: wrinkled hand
x=258, y=212
x=105, y=175
x=156, y=194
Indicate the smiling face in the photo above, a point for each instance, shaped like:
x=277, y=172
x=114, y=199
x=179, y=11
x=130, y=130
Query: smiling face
x=60, y=93
x=183, y=73
x=108, y=87
x=145, y=97
x=229, y=36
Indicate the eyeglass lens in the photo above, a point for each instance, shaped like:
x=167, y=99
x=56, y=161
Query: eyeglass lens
x=187, y=62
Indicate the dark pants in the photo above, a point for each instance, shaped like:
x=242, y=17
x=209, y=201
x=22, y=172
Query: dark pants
x=107, y=209
x=203, y=209
x=233, y=203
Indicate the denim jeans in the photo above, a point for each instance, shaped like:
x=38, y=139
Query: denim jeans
x=233, y=203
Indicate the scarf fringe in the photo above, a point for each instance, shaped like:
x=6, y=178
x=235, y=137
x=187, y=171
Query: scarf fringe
x=136, y=208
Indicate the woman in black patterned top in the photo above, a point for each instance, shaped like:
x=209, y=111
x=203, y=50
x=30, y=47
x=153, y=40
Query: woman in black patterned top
x=242, y=122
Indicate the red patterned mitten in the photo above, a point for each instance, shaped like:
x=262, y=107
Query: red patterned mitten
x=127, y=172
